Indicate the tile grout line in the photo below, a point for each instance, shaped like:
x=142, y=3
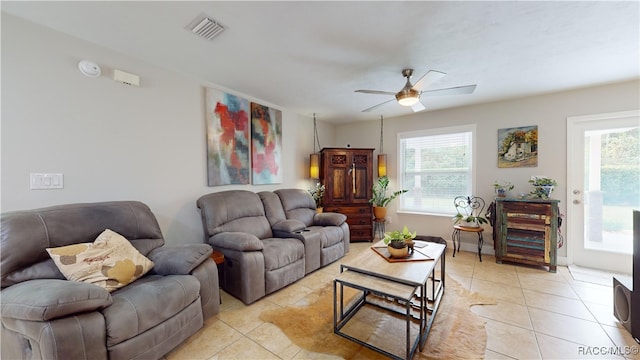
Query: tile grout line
x=533, y=329
x=476, y=266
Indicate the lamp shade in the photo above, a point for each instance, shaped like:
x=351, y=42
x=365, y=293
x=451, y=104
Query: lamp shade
x=382, y=165
x=314, y=166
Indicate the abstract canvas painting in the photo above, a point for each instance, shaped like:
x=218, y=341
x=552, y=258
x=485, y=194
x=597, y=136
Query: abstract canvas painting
x=266, y=145
x=518, y=147
x=227, y=138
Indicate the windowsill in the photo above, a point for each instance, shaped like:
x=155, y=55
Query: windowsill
x=409, y=212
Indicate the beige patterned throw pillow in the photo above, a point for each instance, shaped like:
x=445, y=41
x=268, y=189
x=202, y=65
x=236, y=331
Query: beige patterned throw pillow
x=110, y=261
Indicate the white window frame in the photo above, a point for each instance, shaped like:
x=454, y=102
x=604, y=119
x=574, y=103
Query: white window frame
x=434, y=132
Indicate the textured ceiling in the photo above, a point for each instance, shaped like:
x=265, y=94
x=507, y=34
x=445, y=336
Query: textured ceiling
x=309, y=57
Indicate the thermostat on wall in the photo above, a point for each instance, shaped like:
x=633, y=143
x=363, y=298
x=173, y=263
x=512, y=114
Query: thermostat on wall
x=126, y=78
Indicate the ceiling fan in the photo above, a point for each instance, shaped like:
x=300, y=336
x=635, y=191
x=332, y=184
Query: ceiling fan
x=410, y=94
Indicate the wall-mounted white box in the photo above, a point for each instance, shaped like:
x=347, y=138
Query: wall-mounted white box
x=46, y=181
x=126, y=78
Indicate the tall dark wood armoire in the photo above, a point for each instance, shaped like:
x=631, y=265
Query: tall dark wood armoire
x=347, y=175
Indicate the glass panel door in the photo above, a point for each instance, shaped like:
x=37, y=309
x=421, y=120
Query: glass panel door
x=604, y=187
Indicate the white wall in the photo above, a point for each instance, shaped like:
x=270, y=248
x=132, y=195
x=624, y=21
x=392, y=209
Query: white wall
x=115, y=142
x=112, y=141
x=549, y=112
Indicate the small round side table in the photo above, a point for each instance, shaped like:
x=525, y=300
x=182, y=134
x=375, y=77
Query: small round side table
x=378, y=228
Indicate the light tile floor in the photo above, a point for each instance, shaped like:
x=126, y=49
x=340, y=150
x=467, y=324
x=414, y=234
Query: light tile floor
x=538, y=315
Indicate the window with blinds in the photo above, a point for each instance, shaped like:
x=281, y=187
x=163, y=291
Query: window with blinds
x=436, y=165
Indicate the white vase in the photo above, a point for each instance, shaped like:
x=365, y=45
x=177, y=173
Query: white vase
x=547, y=189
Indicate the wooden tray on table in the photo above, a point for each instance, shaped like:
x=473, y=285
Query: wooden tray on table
x=416, y=256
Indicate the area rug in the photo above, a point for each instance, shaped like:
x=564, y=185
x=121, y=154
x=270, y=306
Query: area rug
x=457, y=333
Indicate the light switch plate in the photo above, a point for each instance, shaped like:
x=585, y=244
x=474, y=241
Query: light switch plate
x=46, y=181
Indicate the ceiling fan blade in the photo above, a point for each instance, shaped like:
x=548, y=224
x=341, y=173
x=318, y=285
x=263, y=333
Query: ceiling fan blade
x=375, y=92
x=417, y=107
x=375, y=106
x=458, y=90
x=427, y=79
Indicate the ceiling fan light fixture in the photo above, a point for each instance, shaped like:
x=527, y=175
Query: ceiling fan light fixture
x=408, y=97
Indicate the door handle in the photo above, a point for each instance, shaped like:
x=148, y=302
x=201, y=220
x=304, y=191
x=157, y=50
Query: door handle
x=576, y=202
x=576, y=192
x=353, y=176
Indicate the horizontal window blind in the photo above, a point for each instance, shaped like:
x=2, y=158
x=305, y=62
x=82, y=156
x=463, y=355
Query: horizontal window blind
x=435, y=166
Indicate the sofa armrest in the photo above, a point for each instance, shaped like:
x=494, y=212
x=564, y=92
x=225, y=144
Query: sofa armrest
x=46, y=299
x=329, y=219
x=288, y=226
x=238, y=241
x=178, y=260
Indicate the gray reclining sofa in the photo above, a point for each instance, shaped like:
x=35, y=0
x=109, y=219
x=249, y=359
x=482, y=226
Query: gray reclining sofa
x=270, y=239
x=45, y=316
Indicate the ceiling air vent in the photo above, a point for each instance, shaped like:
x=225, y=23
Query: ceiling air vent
x=206, y=28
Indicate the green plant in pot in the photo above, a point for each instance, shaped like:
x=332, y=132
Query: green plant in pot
x=380, y=200
x=542, y=186
x=465, y=216
x=502, y=188
x=317, y=193
x=469, y=220
x=399, y=243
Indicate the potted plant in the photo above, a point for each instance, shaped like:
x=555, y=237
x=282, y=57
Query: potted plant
x=380, y=199
x=465, y=217
x=317, y=193
x=542, y=186
x=502, y=188
x=399, y=243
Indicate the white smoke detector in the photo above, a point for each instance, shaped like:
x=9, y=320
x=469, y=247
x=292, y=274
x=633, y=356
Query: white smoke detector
x=89, y=68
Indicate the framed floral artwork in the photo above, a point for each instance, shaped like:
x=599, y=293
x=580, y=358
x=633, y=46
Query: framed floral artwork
x=518, y=147
x=227, y=118
x=266, y=145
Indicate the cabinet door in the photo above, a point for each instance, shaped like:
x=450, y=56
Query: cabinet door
x=336, y=177
x=361, y=176
x=501, y=227
x=527, y=232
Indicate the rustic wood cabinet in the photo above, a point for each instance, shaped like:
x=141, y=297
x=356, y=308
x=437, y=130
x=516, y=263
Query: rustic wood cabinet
x=527, y=231
x=347, y=175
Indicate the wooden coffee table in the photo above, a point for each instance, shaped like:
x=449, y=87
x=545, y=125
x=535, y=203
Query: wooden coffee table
x=411, y=289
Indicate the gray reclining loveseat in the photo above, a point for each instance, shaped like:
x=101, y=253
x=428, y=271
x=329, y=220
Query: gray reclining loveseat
x=45, y=316
x=292, y=213
x=270, y=239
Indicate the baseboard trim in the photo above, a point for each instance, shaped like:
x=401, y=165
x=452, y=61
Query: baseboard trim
x=487, y=249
